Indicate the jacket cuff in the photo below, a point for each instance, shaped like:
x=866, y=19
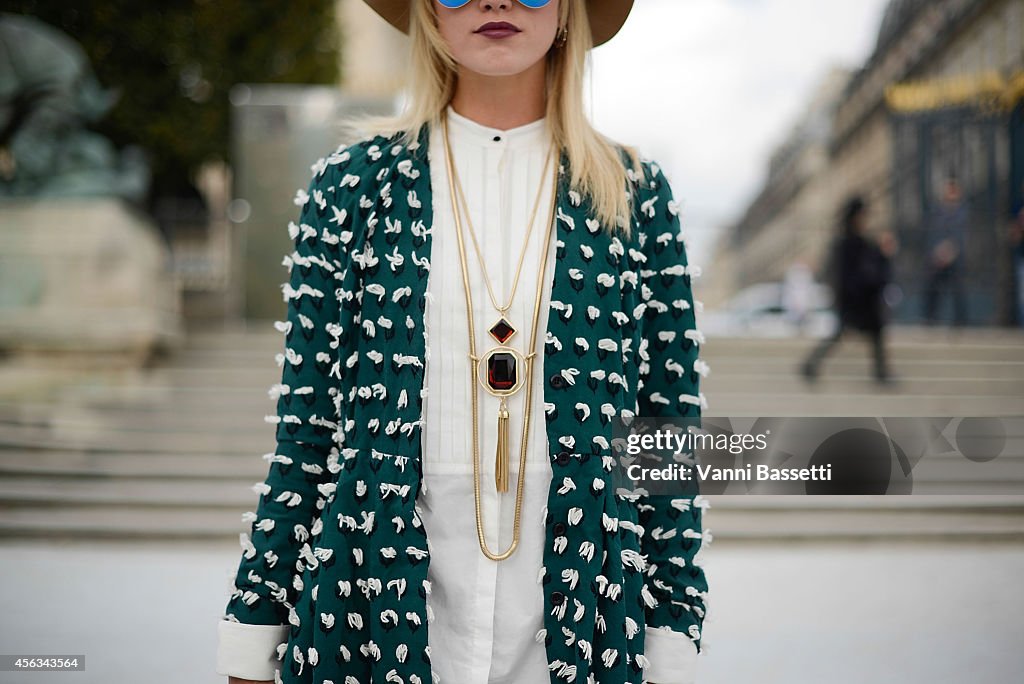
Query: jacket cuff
x=672, y=657
x=248, y=651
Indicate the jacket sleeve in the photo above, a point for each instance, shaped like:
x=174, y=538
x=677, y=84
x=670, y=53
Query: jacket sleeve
x=669, y=385
x=298, y=481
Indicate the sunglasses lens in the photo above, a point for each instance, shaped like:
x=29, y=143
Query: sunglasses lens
x=455, y=4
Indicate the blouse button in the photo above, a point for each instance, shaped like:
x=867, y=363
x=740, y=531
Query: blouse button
x=557, y=598
x=559, y=529
x=557, y=381
x=562, y=458
x=497, y=138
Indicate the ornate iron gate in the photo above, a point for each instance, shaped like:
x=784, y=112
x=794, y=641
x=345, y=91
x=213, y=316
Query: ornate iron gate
x=939, y=130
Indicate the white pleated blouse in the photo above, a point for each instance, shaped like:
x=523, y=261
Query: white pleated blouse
x=485, y=613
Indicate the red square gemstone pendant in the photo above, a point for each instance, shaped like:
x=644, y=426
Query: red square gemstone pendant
x=502, y=371
x=502, y=331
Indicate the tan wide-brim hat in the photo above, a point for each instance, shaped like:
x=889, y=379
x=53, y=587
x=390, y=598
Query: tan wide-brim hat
x=606, y=16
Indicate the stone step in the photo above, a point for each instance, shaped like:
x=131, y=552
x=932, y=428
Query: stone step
x=991, y=520
x=723, y=350
x=836, y=367
x=247, y=419
x=248, y=466
x=827, y=399
x=853, y=347
x=121, y=522
x=83, y=467
x=849, y=382
x=156, y=408
x=980, y=516
x=250, y=437
x=170, y=389
x=192, y=372
x=1006, y=504
x=230, y=490
x=190, y=416
x=138, y=492
x=263, y=357
x=844, y=526
x=209, y=402
x=258, y=343
x=174, y=451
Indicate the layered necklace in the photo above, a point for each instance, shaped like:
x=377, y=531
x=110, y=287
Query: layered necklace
x=502, y=370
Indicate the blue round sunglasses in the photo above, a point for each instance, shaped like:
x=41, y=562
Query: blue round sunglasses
x=455, y=4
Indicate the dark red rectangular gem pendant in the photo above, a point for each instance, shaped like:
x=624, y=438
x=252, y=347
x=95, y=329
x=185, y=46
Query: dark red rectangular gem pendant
x=501, y=371
x=502, y=330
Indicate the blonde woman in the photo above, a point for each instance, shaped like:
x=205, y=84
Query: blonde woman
x=478, y=288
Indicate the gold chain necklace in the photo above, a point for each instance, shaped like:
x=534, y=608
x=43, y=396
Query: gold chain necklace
x=522, y=254
x=504, y=365
x=502, y=362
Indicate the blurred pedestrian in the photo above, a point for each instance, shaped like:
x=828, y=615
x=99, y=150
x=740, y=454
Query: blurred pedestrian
x=946, y=227
x=1017, y=255
x=859, y=269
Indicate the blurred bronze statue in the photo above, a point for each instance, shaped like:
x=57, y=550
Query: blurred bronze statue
x=859, y=270
x=49, y=97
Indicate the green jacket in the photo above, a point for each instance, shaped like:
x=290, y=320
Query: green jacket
x=337, y=549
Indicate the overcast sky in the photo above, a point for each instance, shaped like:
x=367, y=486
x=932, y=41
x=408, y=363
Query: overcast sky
x=709, y=87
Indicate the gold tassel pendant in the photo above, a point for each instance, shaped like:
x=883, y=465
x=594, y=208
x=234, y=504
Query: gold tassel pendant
x=501, y=457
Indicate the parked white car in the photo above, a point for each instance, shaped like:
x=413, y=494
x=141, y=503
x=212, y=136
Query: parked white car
x=762, y=311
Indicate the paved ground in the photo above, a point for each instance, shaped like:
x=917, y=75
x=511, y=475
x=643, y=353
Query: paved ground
x=901, y=614
x=828, y=614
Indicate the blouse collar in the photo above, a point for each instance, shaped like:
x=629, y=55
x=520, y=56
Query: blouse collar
x=468, y=131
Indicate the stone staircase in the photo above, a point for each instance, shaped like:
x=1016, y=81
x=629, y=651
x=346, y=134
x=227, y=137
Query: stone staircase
x=173, y=451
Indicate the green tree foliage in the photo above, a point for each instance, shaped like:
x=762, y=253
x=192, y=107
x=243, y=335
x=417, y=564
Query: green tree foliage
x=175, y=62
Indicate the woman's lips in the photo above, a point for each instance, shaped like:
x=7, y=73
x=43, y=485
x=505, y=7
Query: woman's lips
x=498, y=33
x=497, y=30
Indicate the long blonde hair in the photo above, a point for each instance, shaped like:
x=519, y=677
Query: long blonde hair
x=597, y=169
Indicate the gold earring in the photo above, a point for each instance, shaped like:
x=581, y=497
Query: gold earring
x=561, y=37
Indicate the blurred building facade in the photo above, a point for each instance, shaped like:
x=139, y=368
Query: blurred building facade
x=780, y=224
x=940, y=93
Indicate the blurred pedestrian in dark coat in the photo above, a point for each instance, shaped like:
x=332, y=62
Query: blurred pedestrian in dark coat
x=859, y=269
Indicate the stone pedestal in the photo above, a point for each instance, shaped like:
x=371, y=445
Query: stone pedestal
x=85, y=275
